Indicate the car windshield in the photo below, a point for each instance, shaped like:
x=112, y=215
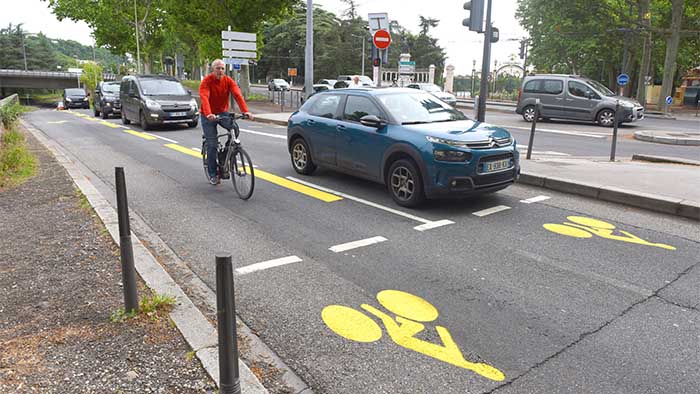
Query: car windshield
x=162, y=87
x=280, y=81
x=600, y=87
x=75, y=92
x=419, y=107
x=110, y=88
x=430, y=88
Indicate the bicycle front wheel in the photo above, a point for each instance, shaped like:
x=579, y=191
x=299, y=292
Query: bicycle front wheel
x=242, y=173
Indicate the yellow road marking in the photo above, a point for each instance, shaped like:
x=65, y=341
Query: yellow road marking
x=184, y=150
x=277, y=180
x=142, y=135
x=108, y=124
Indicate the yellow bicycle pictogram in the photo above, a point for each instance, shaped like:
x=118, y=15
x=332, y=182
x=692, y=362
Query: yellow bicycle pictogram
x=583, y=227
x=410, y=311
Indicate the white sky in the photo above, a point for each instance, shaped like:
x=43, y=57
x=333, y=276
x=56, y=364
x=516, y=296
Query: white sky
x=461, y=45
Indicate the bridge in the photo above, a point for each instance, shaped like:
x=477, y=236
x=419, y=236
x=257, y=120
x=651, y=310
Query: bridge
x=41, y=80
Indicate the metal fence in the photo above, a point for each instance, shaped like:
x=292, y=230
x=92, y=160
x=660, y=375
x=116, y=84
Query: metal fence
x=287, y=99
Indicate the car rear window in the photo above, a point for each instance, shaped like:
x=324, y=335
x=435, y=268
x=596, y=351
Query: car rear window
x=75, y=92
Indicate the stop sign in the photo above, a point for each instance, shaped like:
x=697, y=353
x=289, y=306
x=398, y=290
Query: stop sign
x=382, y=39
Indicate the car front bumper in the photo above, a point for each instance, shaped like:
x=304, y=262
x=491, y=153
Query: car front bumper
x=112, y=108
x=446, y=179
x=168, y=116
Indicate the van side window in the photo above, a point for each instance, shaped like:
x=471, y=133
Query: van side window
x=579, y=90
x=552, y=86
x=532, y=86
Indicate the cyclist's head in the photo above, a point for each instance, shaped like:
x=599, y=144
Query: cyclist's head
x=218, y=68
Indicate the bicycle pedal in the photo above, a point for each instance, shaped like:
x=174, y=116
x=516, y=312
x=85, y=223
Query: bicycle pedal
x=225, y=175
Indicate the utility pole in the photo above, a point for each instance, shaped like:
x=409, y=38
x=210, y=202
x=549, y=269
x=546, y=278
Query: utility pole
x=484, y=85
x=309, y=60
x=138, y=50
x=24, y=50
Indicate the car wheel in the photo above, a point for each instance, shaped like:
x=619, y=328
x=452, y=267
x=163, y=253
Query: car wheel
x=606, y=118
x=95, y=111
x=124, y=119
x=529, y=113
x=301, y=157
x=405, y=184
x=144, y=121
x=192, y=123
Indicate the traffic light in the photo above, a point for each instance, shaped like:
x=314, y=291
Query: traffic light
x=377, y=62
x=475, y=22
x=495, y=34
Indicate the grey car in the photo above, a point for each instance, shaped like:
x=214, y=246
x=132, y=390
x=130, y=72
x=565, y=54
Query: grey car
x=435, y=91
x=574, y=97
x=156, y=100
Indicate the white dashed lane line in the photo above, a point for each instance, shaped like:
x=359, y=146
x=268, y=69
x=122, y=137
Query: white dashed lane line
x=356, y=244
x=267, y=264
x=535, y=199
x=490, y=211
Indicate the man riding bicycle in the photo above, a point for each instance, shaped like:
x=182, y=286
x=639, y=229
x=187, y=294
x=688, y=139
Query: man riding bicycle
x=214, y=92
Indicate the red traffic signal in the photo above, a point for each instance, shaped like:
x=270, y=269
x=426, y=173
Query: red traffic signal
x=377, y=62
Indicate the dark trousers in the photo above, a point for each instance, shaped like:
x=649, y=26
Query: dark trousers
x=210, y=135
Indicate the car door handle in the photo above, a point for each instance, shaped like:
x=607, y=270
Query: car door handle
x=559, y=99
x=311, y=121
x=340, y=127
x=569, y=99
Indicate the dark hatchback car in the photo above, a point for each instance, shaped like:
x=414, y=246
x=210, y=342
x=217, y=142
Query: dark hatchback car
x=75, y=98
x=106, y=101
x=156, y=100
x=417, y=145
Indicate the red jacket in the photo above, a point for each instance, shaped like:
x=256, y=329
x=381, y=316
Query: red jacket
x=214, y=94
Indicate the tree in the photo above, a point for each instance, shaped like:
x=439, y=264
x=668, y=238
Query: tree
x=91, y=77
x=426, y=23
x=671, y=50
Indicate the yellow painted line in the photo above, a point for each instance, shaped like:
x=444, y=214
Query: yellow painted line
x=184, y=150
x=108, y=124
x=142, y=135
x=277, y=180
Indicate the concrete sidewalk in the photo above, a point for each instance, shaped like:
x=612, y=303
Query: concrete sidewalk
x=667, y=187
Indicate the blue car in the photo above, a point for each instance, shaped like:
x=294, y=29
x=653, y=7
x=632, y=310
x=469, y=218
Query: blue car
x=409, y=140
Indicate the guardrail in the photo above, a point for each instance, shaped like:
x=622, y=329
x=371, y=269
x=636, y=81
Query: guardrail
x=49, y=74
x=7, y=101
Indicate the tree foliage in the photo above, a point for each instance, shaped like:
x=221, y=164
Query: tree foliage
x=590, y=37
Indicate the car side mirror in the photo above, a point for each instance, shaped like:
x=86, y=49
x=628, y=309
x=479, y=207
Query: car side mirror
x=132, y=94
x=372, y=121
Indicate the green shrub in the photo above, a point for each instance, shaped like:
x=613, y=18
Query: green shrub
x=16, y=162
x=9, y=114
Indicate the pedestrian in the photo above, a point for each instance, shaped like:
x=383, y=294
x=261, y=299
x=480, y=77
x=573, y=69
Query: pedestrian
x=355, y=82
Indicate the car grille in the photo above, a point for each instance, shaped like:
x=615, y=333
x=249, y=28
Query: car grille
x=490, y=143
x=495, y=178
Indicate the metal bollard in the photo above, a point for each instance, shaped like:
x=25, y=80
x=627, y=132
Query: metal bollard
x=131, y=300
x=614, y=138
x=281, y=100
x=229, y=380
x=532, y=129
x=476, y=107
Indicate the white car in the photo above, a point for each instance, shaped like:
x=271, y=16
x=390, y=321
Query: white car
x=435, y=91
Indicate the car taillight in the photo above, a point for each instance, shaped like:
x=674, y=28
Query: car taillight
x=520, y=92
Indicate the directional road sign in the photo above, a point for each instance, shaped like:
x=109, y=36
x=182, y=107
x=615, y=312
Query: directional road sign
x=622, y=79
x=669, y=100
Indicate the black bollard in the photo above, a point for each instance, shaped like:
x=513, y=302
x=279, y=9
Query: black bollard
x=614, y=138
x=131, y=300
x=532, y=129
x=229, y=381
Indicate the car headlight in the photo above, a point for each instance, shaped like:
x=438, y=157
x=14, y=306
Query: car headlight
x=152, y=104
x=437, y=140
x=451, y=155
x=69, y=100
x=193, y=104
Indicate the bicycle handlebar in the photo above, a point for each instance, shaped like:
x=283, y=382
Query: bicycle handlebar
x=233, y=115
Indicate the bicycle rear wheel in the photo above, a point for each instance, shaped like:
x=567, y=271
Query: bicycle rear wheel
x=242, y=173
x=204, y=159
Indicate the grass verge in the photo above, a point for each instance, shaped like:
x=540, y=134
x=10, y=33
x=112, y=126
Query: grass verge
x=16, y=162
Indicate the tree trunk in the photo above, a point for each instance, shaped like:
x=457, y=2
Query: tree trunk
x=646, y=52
x=245, y=80
x=671, y=51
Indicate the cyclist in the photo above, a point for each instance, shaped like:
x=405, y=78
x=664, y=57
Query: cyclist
x=214, y=93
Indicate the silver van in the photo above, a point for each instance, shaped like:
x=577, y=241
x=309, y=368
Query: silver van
x=574, y=97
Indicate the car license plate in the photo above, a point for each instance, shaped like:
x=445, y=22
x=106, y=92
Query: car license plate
x=497, y=165
x=175, y=114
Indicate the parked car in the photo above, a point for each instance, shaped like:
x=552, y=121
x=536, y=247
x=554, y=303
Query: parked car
x=341, y=84
x=364, y=80
x=574, y=97
x=75, y=98
x=435, y=91
x=106, y=101
x=277, y=84
x=156, y=100
x=409, y=140
x=329, y=82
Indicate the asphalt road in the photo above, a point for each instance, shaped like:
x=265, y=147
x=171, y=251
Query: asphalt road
x=500, y=290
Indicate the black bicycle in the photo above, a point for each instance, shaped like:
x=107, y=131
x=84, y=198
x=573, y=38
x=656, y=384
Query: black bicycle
x=232, y=160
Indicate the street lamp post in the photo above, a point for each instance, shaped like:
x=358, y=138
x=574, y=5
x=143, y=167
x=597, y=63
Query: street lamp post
x=138, y=50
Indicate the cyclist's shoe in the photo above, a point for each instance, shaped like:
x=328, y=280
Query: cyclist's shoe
x=214, y=180
x=225, y=175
